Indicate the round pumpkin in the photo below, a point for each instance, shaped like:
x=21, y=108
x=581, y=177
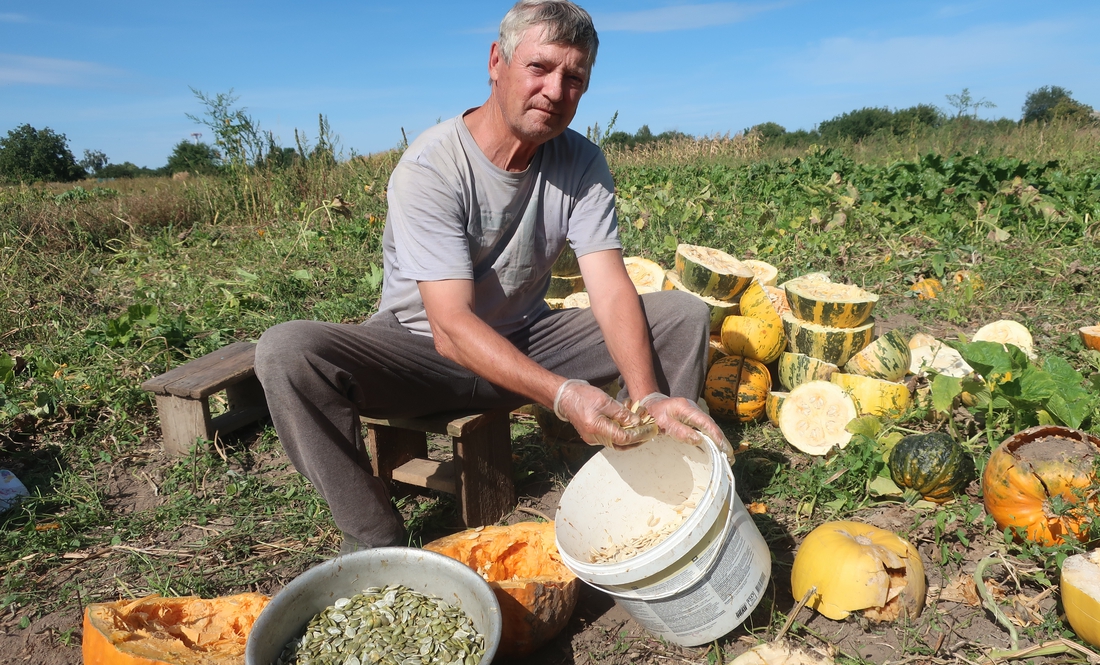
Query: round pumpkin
x=170, y=631
x=754, y=338
x=537, y=593
x=737, y=388
x=928, y=288
x=933, y=466
x=1080, y=586
x=858, y=567
x=1032, y=467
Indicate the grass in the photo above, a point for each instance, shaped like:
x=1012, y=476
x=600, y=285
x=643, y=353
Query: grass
x=108, y=284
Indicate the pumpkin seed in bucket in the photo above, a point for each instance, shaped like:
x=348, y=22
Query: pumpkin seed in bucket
x=393, y=625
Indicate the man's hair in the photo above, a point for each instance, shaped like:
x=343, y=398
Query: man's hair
x=562, y=22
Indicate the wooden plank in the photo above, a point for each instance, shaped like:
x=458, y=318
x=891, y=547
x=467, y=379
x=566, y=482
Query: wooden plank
x=207, y=375
x=245, y=394
x=452, y=424
x=231, y=421
x=181, y=422
x=390, y=447
x=427, y=473
x=483, y=472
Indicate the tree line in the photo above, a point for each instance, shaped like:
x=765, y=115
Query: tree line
x=32, y=155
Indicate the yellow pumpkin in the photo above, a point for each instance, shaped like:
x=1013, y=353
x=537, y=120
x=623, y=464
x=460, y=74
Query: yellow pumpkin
x=537, y=593
x=170, y=631
x=928, y=288
x=873, y=396
x=1080, y=588
x=859, y=568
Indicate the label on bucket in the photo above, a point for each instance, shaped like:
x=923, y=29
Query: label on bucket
x=721, y=600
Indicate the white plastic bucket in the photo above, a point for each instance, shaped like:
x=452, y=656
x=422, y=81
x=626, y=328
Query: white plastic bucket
x=702, y=580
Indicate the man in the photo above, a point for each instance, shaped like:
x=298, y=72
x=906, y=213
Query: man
x=480, y=206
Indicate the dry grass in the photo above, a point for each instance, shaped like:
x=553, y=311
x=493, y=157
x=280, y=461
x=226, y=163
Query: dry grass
x=686, y=151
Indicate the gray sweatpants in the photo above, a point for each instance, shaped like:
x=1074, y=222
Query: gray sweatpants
x=320, y=377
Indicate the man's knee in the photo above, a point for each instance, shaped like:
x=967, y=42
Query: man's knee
x=678, y=307
x=282, y=346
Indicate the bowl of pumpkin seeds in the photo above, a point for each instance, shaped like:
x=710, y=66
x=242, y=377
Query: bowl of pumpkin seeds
x=384, y=606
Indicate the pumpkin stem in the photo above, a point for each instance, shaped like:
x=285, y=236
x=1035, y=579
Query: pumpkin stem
x=911, y=496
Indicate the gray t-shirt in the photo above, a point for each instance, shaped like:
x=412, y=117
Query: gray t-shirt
x=453, y=214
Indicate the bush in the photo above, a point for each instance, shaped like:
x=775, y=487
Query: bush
x=1052, y=102
x=30, y=155
x=193, y=158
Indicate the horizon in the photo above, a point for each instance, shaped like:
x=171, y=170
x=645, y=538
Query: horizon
x=118, y=79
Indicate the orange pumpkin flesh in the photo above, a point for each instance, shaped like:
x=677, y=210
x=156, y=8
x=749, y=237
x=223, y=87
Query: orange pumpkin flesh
x=1031, y=467
x=537, y=593
x=170, y=631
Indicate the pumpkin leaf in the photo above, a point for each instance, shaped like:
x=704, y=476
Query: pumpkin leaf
x=944, y=391
x=884, y=486
x=890, y=440
x=868, y=426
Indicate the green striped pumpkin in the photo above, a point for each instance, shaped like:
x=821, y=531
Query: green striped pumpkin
x=737, y=389
x=711, y=272
x=773, y=404
x=886, y=358
x=564, y=286
x=719, y=309
x=874, y=397
x=830, y=304
x=798, y=368
x=833, y=345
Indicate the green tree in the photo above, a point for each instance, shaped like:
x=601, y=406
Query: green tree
x=965, y=104
x=768, y=130
x=30, y=155
x=1039, y=104
x=197, y=158
x=94, y=161
x=857, y=125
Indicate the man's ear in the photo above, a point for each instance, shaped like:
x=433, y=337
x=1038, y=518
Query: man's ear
x=496, y=61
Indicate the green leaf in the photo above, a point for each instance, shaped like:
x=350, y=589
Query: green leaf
x=302, y=275
x=890, y=440
x=868, y=426
x=944, y=391
x=1036, y=385
x=883, y=486
x=671, y=243
x=246, y=276
x=7, y=368
x=939, y=261
x=1070, y=413
x=1062, y=372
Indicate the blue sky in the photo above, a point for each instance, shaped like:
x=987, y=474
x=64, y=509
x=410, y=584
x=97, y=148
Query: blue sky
x=115, y=76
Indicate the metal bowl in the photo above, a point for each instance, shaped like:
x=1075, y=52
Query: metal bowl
x=286, y=616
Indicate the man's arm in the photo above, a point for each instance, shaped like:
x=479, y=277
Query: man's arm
x=462, y=336
x=618, y=311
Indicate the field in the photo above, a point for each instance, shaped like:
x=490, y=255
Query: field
x=107, y=284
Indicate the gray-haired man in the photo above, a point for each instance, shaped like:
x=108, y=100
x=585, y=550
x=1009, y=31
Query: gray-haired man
x=480, y=206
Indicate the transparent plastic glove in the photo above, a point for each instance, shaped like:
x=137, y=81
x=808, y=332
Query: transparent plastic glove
x=682, y=419
x=599, y=419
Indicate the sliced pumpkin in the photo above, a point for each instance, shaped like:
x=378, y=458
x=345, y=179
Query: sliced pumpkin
x=719, y=309
x=715, y=350
x=1090, y=335
x=737, y=388
x=1080, y=588
x=562, y=286
x=928, y=353
x=859, y=568
x=886, y=358
x=830, y=304
x=647, y=276
x=794, y=369
x=773, y=404
x=814, y=416
x=577, y=301
x=779, y=299
x=537, y=593
x=711, y=272
x=833, y=345
x=170, y=631
x=1004, y=332
x=874, y=397
x=766, y=273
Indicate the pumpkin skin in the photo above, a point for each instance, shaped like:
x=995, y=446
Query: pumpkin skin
x=856, y=567
x=794, y=369
x=833, y=345
x=773, y=404
x=753, y=338
x=886, y=358
x=711, y=272
x=737, y=389
x=830, y=304
x=874, y=397
x=933, y=466
x=1031, y=467
x=132, y=632
x=537, y=604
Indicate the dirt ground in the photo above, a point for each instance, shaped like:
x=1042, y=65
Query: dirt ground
x=949, y=630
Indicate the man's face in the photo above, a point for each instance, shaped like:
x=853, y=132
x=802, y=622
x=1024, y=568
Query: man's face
x=539, y=90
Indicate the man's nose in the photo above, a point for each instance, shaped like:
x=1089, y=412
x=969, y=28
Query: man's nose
x=554, y=87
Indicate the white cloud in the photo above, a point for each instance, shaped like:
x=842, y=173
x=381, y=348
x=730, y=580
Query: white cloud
x=915, y=59
x=680, y=17
x=14, y=18
x=31, y=70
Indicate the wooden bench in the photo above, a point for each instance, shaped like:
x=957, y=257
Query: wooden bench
x=479, y=475
x=183, y=396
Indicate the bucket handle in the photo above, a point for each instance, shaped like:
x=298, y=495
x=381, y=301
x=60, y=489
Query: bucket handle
x=687, y=585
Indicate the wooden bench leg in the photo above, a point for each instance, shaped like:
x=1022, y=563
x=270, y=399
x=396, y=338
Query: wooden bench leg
x=390, y=447
x=483, y=472
x=182, y=421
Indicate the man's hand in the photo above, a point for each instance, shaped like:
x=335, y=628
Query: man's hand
x=598, y=418
x=682, y=419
